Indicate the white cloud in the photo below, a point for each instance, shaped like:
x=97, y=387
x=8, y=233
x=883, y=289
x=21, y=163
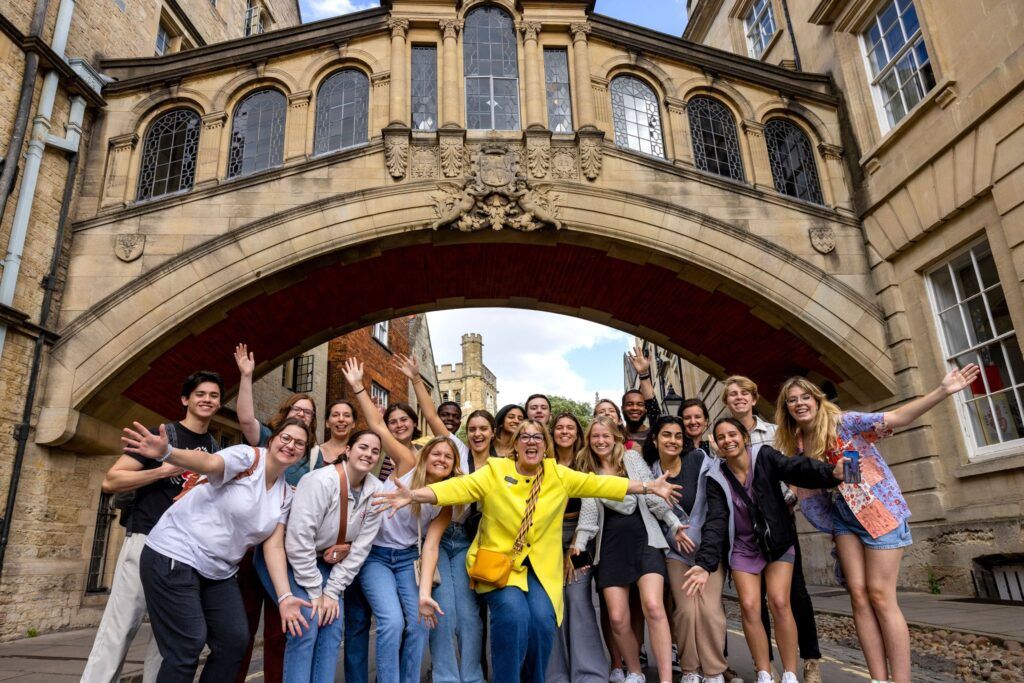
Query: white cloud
x=527, y=351
x=314, y=10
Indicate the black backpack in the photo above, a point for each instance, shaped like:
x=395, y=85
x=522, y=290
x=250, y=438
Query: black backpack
x=126, y=501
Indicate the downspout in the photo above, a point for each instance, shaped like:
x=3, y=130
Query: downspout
x=792, y=36
x=41, y=138
x=28, y=86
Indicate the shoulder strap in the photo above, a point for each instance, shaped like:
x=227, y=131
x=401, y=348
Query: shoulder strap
x=738, y=487
x=531, y=506
x=342, y=502
x=314, y=457
x=172, y=433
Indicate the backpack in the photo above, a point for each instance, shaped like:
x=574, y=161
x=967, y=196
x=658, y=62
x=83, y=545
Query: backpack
x=126, y=501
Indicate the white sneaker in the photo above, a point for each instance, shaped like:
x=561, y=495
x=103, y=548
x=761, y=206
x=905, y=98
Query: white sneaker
x=617, y=676
x=720, y=678
x=764, y=677
x=635, y=678
x=789, y=677
x=694, y=678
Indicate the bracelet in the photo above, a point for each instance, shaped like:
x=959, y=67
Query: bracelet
x=284, y=597
x=644, y=484
x=167, y=454
x=356, y=393
x=645, y=375
x=418, y=380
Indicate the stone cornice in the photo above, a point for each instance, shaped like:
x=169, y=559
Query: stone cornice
x=702, y=15
x=139, y=73
x=815, y=87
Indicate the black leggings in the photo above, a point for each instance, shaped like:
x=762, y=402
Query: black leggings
x=188, y=611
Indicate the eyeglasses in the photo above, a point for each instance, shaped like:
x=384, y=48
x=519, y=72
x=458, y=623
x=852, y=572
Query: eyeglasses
x=287, y=439
x=527, y=438
x=308, y=412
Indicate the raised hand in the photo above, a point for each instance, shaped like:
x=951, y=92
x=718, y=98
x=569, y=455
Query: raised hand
x=407, y=365
x=959, y=379
x=292, y=620
x=429, y=610
x=141, y=441
x=686, y=544
x=694, y=580
x=353, y=371
x=663, y=489
x=395, y=499
x=244, y=360
x=640, y=362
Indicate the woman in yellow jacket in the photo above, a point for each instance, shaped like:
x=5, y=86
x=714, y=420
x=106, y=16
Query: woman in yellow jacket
x=522, y=499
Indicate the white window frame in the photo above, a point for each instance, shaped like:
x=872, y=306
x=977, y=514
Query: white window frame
x=975, y=452
x=379, y=395
x=163, y=47
x=874, y=81
x=253, y=24
x=752, y=20
x=380, y=331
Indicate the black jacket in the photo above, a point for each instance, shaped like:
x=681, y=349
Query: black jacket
x=770, y=467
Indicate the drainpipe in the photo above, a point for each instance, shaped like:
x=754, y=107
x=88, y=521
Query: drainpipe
x=28, y=86
x=41, y=138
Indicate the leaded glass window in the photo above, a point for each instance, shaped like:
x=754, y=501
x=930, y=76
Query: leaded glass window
x=492, y=70
x=342, y=106
x=716, y=148
x=257, y=133
x=636, y=116
x=556, y=80
x=900, y=69
x=760, y=25
x=424, y=87
x=792, y=161
x=169, y=154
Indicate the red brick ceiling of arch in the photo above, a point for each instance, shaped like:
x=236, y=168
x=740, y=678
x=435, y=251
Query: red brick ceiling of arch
x=708, y=323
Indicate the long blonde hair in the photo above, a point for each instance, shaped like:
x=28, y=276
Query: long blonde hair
x=823, y=431
x=419, y=476
x=587, y=460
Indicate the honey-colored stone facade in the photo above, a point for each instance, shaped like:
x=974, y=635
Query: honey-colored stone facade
x=470, y=383
x=947, y=175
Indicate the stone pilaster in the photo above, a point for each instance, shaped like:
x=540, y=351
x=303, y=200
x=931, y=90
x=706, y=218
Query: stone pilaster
x=581, y=59
x=679, y=124
x=450, y=109
x=119, y=156
x=297, y=133
x=535, y=114
x=210, y=159
x=834, y=175
x=760, y=169
x=399, y=110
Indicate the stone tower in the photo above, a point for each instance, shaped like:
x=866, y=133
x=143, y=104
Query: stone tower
x=469, y=383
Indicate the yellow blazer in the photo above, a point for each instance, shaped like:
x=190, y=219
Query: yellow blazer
x=502, y=493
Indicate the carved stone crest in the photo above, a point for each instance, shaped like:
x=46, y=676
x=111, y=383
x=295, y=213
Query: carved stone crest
x=563, y=163
x=497, y=195
x=424, y=162
x=396, y=154
x=129, y=246
x=823, y=239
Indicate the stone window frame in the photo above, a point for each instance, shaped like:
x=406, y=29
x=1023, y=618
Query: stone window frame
x=737, y=139
x=156, y=119
x=918, y=38
x=659, y=98
x=281, y=133
x=564, y=50
x=519, y=77
x=818, y=168
x=758, y=10
x=975, y=252
x=368, y=106
x=99, y=557
x=420, y=47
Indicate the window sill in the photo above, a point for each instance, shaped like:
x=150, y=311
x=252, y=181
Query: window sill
x=942, y=94
x=382, y=344
x=1011, y=459
x=776, y=37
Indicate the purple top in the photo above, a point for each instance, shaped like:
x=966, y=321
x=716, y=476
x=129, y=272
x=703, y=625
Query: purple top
x=745, y=557
x=876, y=502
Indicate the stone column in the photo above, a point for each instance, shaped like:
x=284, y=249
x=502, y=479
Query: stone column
x=679, y=123
x=534, y=79
x=211, y=151
x=399, y=114
x=760, y=169
x=297, y=130
x=834, y=177
x=581, y=59
x=450, y=76
x=115, y=186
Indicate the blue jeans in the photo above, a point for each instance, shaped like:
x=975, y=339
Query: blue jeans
x=389, y=582
x=461, y=615
x=522, y=631
x=313, y=656
x=357, y=635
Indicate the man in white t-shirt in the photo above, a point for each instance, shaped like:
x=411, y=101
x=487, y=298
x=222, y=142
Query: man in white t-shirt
x=739, y=396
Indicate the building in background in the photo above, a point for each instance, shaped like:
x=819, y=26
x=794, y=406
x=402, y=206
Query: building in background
x=469, y=383
x=422, y=349
x=933, y=141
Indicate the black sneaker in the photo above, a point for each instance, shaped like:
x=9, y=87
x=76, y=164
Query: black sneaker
x=675, y=660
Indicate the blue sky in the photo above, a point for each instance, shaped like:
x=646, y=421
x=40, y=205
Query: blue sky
x=667, y=16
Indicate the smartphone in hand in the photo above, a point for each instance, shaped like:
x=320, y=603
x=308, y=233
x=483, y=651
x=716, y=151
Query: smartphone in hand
x=851, y=467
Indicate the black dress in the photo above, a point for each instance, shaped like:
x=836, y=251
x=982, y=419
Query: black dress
x=625, y=552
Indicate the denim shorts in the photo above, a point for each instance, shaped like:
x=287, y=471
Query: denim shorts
x=845, y=522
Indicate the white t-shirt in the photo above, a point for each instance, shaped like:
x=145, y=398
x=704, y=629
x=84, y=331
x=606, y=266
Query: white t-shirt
x=212, y=526
x=401, y=531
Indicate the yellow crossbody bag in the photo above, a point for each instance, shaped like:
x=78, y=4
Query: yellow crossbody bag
x=493, y=567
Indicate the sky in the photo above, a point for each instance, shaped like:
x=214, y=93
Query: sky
x=564, y=356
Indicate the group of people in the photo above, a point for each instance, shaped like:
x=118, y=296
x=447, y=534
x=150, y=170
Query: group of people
x=503, y=535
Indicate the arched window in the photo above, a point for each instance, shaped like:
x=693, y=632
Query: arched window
x=169, y=154
x=342, y=106
x=713, y=132
x=257, y=133
x=636, y=116
x=792, y=161
x=492, y=70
